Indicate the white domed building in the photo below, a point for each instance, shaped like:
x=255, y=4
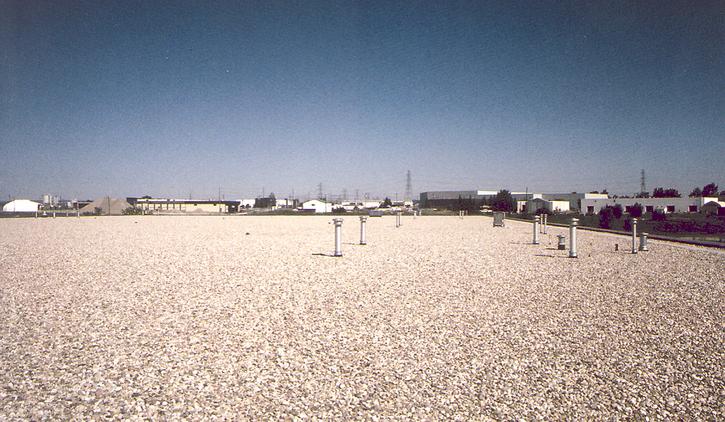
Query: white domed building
x=21, y=205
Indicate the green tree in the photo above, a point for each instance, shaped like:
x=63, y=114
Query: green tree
x=709, y=190
x=659, y=215
x=387, y=203
x=635, y=211
x=665, y=193
x=617, y=211
x=696, y=193
x=605, y=217
x=503, y=201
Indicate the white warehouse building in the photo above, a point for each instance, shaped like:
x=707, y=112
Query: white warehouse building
x=317, y=206
x=667, y=205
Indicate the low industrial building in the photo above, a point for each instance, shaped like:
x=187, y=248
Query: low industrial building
x=574, y=198
x=246, y=203
x=21, y=205
x=168, y=205
x=533, y=205
x=450, y=199
x=370, y=204
x=317, y=206
x=285, y=203
x=666, y=205
x=714, y=208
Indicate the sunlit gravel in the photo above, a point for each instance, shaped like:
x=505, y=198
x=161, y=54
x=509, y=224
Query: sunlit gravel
x=442, y=318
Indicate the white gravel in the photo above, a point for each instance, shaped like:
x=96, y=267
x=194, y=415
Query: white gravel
x=442, y=318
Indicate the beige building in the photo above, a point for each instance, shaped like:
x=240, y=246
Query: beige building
x=170, y=206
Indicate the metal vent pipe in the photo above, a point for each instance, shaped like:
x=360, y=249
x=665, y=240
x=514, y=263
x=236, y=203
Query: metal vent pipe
x=363, y=219
x=338, y=236
x=572, y=238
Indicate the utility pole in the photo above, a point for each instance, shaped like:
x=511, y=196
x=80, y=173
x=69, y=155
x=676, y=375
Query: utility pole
x=344, y=194
x=408, y=187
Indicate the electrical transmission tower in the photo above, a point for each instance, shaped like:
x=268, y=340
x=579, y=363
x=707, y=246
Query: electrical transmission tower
x=319, y=191
x=642, y=185
x=408, y=187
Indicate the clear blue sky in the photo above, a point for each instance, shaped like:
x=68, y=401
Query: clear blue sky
x=177, y=98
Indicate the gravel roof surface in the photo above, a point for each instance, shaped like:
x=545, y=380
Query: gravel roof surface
x=441, y=318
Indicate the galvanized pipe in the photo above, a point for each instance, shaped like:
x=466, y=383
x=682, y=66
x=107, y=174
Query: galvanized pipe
x=541, y=223
x=572, y=238
x=634, y=235
x=643, y=242
x=546, y=221
x=561, y=245
x=338, y=236
x=363, y=219
x=536, y=230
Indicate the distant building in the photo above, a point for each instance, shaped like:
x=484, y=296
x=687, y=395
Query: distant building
x=246, y=203
x=446, y=199
x=265, y=202
x=370, y=204
x=574, y=198
x=50, y=200
x=285, y=204
x=714, y=208
x=168, y=205
x=532, y=205
x=667, y=205
x=449, y=199
x=317, y=206
x=21, y=205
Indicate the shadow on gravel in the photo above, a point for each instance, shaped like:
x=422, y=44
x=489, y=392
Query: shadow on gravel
x=551, y=256
x=325, y=254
